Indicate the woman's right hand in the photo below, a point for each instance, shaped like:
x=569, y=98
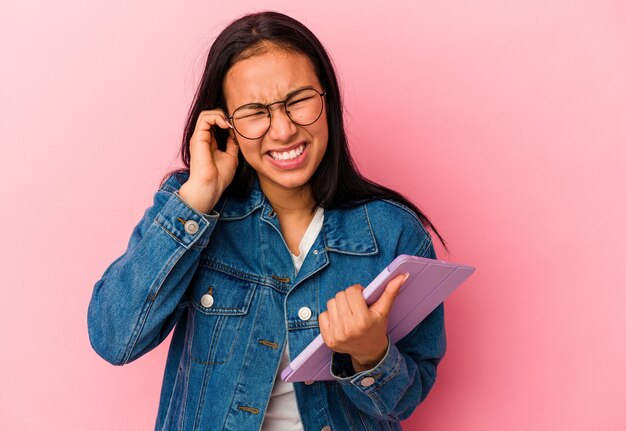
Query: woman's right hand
x=210, y=169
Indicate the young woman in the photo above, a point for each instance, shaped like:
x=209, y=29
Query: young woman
x=261, y=244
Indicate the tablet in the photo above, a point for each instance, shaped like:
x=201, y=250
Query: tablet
x=430, y=281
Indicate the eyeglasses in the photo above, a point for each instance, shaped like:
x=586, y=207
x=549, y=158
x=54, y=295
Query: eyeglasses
x=303, y=107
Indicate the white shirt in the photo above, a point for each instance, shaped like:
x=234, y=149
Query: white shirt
x=282, y=411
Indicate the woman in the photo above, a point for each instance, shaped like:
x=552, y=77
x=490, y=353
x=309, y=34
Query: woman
x=262, y=244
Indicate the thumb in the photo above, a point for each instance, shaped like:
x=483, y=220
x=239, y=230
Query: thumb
x=385, y=302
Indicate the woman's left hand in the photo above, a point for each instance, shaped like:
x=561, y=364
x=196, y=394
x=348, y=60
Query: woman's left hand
x=349, y=326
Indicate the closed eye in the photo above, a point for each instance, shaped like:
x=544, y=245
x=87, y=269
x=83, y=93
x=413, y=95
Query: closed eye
x=299, y=100
x=251, y=112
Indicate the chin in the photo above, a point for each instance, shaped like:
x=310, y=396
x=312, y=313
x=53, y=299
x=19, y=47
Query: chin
x=292, y=183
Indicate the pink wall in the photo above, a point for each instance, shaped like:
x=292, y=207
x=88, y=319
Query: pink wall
x=505, y=121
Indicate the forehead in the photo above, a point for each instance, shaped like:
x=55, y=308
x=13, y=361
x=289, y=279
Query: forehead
x=267, y=77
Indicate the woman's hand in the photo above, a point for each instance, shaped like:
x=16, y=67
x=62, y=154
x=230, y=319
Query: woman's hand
x=210, y=169
x=349, y=326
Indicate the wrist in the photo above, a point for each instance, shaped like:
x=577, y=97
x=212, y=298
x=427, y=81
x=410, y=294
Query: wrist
x=364, y=363
x=200, y=198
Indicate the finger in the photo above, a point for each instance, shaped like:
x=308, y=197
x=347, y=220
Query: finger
x=202, y=134
x=361, y=314
x=354, y=295
x=206, y=119
x=343, y=307
x=202, y=123
x=220, y=120
x=323, y=321
x=331, y=309
x=204, y=128
x=335, y=323
x=325, y=330
x=385, y=302
x=344, y=311
x=223, y=122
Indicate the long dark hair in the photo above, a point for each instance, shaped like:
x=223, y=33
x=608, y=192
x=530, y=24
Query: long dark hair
x=336, y=183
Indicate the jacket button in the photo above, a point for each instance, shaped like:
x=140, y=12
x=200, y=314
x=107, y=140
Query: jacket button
x=191, y=227
x=367, y=381
x=304, y=313
x=326, y=428
x=206, y=300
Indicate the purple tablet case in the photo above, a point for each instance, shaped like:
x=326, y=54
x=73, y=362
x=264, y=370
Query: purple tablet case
x=429, y=283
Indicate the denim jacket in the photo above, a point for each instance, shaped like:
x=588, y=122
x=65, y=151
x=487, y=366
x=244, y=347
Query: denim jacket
x=226, y=283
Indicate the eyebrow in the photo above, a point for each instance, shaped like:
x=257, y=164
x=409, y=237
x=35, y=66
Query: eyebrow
x=291, y=93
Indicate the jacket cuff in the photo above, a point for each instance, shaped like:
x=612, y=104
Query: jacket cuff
x=369, y=380
x=186, y=225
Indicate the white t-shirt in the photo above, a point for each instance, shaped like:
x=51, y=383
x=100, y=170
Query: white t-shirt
x=282, y=411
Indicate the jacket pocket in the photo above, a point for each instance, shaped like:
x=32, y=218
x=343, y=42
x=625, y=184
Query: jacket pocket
x=220, y=303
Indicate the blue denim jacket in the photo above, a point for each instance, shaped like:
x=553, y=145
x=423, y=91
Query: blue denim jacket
x=224, y=356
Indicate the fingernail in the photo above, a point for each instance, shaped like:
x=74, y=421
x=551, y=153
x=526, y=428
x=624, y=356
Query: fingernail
x=405, y=277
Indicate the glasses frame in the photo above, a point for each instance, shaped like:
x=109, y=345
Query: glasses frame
x=278, y=102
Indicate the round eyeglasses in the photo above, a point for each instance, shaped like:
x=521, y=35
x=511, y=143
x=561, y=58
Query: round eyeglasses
x=303, y=107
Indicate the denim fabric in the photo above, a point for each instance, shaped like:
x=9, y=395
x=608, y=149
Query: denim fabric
x=223, y=359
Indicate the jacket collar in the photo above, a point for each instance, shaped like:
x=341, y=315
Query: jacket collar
x=344, y=230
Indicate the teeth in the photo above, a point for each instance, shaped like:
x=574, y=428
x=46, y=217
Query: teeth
x=287, y=155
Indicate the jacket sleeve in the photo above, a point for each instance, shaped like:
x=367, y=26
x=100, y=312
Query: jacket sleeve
x=138, y=300
x=402, y=379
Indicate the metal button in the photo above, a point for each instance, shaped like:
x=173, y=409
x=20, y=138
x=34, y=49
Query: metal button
x=206, y=300
x=191, y=227
x=315, y=251
x=309, y=382
x=304, y=313
x=271, y=214
x=367, y=381
x=326, y=428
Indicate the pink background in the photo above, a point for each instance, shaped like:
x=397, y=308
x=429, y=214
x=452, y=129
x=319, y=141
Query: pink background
x=505, y=121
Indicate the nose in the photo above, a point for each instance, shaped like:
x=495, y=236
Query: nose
x=282, y=128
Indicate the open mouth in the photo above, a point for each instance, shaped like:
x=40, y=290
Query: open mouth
x=287, y=155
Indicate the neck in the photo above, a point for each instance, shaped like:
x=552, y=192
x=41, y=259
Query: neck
x=286, y=202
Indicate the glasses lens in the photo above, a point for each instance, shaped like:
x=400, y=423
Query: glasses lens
x=251, y=121
x=304, y=107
